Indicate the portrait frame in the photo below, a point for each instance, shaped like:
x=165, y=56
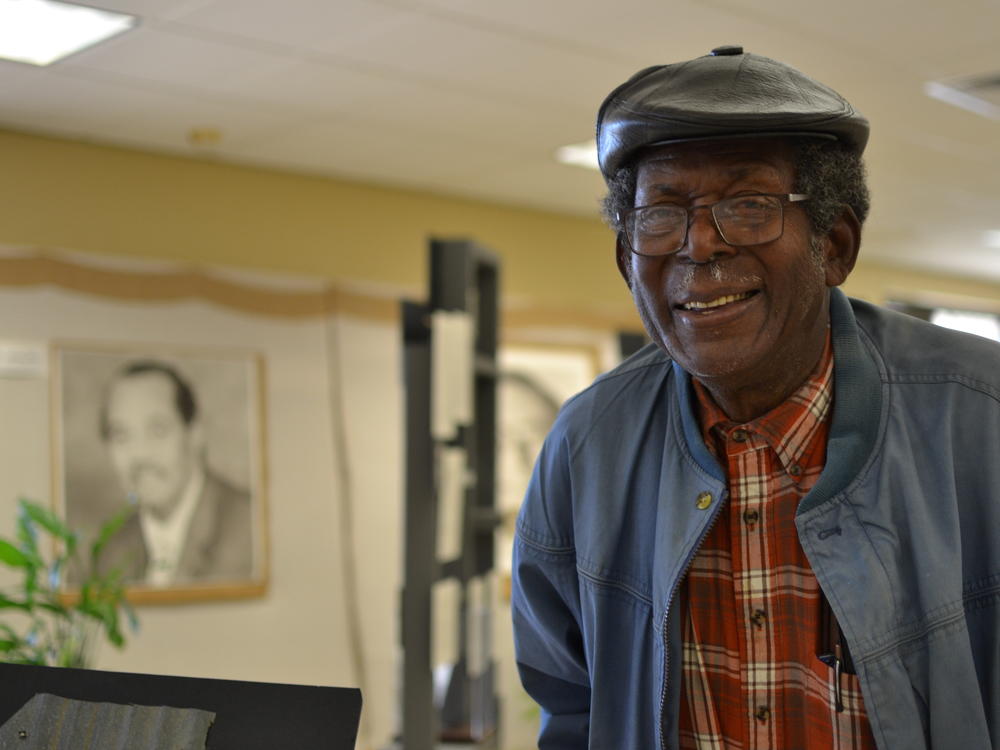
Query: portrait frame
x=545, y=374
x=88, y=487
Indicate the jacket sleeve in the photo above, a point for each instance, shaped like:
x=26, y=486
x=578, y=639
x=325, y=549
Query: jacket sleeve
x=545, y=603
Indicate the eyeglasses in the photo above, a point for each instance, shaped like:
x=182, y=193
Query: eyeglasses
x=743, y=220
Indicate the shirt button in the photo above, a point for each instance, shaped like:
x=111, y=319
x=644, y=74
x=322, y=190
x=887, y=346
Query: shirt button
x=750, y=518
x=704, y=500
x=758, y=617
x=762, y=714
x=795, y=470
x=740, y=435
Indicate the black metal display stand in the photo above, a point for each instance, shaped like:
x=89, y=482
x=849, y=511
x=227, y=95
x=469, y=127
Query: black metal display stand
x=249, y=715
x=463, y=278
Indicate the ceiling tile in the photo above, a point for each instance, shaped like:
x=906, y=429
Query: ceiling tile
x=151, y=9
x=412, y=109
x=306, y=26
x=185, y=62
x=900, y=34
x=108, y=112
x=487, y=63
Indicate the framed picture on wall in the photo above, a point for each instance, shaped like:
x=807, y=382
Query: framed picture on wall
x=535, y=378
x=179, y=435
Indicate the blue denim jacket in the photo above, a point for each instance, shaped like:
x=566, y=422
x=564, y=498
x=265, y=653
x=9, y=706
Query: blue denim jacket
x=902, y=530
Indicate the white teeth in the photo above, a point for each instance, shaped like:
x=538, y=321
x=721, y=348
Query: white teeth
x=715, y=302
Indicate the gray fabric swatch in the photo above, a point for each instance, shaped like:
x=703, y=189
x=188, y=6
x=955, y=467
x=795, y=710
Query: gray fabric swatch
x=48, y=722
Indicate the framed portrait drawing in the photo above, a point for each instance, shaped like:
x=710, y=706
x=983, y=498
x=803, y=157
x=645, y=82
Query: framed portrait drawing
x=178, y=434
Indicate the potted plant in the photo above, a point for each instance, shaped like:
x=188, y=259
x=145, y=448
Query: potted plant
x=44, y=624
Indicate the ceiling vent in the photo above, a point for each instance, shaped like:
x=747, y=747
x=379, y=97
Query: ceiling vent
x=977, y=93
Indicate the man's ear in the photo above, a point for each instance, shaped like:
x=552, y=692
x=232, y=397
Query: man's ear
x=623, y=258
x=841, y=246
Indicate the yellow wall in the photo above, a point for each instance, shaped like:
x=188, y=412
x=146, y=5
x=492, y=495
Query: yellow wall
x=878, y=282
x=79, y=196
x=63, y=194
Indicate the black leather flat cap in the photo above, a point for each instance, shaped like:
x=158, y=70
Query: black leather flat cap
x=725, y=94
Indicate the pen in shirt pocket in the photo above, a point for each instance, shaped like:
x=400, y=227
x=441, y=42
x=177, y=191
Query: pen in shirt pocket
x=831, y=648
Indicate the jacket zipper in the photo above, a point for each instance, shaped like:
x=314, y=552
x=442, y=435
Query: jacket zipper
x=666, y=613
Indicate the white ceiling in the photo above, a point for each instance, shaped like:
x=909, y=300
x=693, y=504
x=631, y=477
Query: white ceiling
x=472, y=97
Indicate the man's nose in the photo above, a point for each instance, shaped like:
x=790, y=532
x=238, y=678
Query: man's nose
x=704, y=242
x=137, y=452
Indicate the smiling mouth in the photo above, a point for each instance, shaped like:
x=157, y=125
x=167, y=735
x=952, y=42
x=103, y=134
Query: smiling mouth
x=717, y=302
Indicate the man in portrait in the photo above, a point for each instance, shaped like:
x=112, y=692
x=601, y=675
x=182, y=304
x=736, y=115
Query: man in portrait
x=191, y=525
x=778, y=525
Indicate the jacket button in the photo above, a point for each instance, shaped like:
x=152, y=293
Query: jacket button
x=704, y=500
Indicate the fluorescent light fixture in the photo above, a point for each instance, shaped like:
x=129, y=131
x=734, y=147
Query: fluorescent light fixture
x=992, y=238
x=579, y=155
x=39, y=32
x=957, y=97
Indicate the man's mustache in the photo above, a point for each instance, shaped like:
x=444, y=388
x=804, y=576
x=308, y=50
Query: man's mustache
x=717, y=272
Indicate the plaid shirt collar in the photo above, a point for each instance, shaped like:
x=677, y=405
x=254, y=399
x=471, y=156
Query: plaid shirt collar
x=788, y=428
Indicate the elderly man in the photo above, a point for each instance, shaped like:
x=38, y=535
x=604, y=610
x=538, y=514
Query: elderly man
x=779, y=525
x=192, y=526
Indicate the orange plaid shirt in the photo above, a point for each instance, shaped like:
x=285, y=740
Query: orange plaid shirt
x=751, y=603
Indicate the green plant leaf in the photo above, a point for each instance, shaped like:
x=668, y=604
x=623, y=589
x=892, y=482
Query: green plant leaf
x=111, y=583
x=34, y=659
x=91, y=609
x=108, y=530
x=46, y=519
x=114, y=633
x=35, y=561
x=7, y=603
x=11, y=636
x=53, y=620
x=55, y=608
x=51, y=523
x=26, y=532
x=11, y=555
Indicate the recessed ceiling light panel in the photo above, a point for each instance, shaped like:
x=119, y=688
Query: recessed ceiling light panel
x=579, y=155
x=40, y=32
x=979, y=93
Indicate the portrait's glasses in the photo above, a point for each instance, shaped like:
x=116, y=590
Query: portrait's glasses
x=743, y=220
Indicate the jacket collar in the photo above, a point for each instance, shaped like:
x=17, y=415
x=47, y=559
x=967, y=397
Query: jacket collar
x=853, y=430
